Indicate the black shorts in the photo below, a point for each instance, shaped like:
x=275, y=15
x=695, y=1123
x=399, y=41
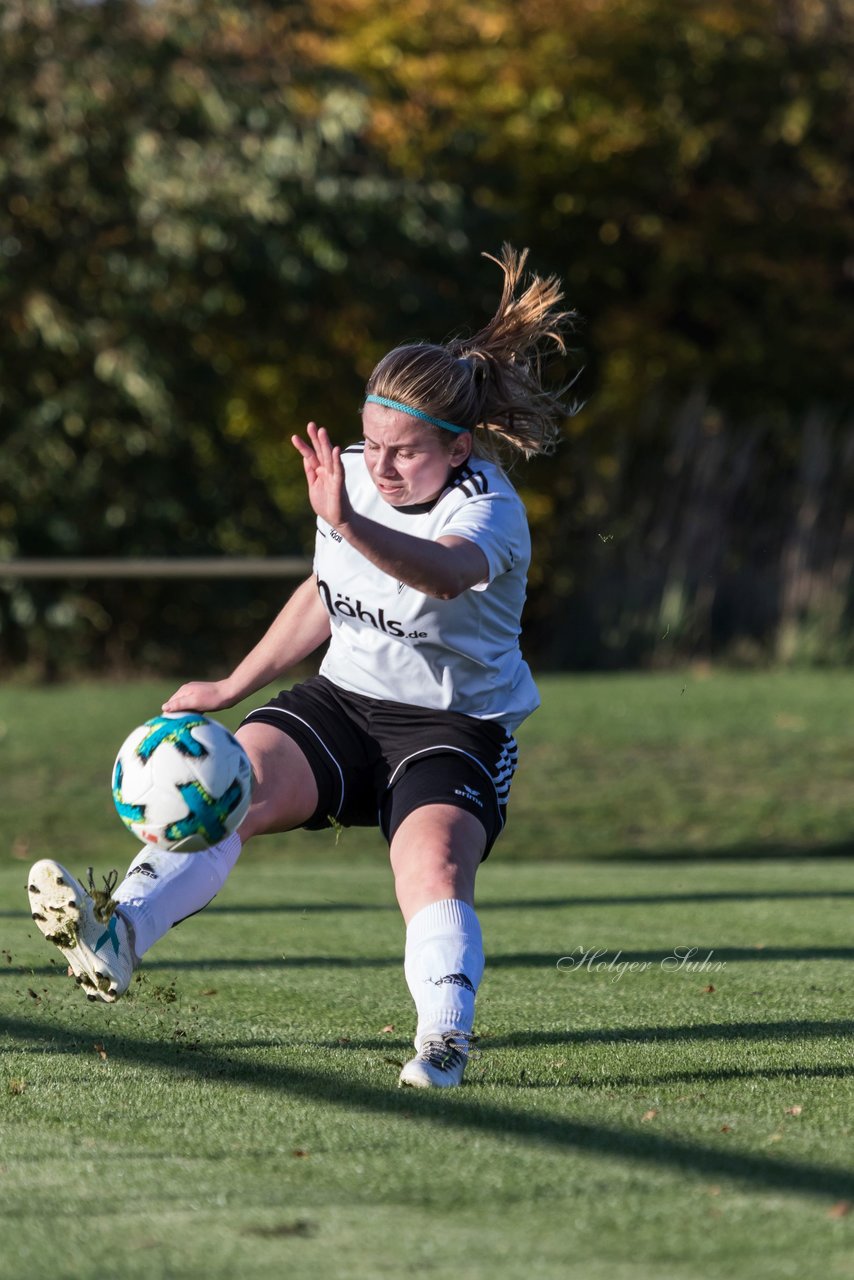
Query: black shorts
x=375, y=762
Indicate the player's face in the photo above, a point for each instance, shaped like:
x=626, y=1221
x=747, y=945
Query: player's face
x=407, y=460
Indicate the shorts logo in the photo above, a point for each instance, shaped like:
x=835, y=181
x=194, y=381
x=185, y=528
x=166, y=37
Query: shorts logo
x=469, y=793
x=143, y=869
x=453, y=980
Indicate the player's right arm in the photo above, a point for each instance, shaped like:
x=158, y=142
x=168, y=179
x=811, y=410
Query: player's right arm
x=301, y=626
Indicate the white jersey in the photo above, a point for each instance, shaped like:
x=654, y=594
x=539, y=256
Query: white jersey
x=392, y=642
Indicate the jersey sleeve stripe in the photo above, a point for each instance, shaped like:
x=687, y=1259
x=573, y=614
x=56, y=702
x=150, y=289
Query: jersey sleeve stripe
x=471, y=483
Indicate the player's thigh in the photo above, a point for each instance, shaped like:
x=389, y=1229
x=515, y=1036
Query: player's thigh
x=285, y=792
x=435, y=853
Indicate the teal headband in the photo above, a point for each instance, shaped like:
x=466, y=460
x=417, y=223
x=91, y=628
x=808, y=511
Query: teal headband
x=415, y=413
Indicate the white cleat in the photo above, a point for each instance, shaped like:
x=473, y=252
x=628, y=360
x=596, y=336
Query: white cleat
x=86, y=927
x=439, y=1063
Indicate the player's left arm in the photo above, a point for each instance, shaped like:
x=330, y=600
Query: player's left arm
x=443, y=568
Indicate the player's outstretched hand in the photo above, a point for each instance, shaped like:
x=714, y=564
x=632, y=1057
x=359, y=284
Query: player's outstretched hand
x=200, y=695
x=325, y=475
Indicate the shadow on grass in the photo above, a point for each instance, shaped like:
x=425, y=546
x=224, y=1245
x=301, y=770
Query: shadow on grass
x=648, y=1080
x=788, y=1030
x=467, y=1110
x=704, y=958
x=514, y=904
x=649, y=1035
x=229, y=962
x=732, y=853
x=665, y=899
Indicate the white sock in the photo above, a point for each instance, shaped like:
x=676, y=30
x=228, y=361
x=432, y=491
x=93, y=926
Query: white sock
x=162, y=888
x=443, y=964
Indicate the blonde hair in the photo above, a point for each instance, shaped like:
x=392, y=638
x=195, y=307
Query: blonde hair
x=492, y=383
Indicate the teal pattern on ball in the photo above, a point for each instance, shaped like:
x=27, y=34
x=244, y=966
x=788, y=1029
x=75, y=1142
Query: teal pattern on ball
x=174, y=729
x=127, y=812
x=207, y=816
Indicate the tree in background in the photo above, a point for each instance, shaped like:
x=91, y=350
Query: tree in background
x=194, y=237
x=213, y=219
x=687, y=169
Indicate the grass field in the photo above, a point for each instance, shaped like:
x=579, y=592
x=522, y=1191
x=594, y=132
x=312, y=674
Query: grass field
x=627, y=1114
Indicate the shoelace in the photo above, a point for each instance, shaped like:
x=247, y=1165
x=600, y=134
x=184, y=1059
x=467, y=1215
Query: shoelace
x=448, y=1050
x=103, y=898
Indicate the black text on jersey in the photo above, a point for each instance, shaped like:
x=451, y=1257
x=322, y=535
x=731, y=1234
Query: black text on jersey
x=343, y=606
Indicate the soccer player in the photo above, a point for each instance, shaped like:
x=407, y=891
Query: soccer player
x=419, y=578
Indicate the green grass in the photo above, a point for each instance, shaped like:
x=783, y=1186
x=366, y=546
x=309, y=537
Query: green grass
x=665, y=764
x=237, y=1114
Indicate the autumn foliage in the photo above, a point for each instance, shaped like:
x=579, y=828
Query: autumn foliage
x=215, y=217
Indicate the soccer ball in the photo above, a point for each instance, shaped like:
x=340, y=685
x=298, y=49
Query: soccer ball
x=182, y=782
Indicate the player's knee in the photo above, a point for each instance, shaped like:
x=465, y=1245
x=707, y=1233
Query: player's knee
x=285, y=791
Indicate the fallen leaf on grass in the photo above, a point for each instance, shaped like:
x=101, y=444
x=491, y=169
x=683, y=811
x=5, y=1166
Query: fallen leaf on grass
x=651, y=1114
x=388, y=1027
x=841, y=1209
x=299, y=1228
x=299, y=1152
x=343, y=1039
x=726, y=1128
x=775, y=1137
x=708, y=990
x=210, y=992
x=794, y=1111
x=101, y=1051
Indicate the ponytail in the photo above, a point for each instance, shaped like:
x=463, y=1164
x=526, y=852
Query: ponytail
x=493, y=383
